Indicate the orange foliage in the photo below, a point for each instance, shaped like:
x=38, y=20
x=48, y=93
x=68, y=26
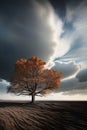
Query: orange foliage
x=31, y=77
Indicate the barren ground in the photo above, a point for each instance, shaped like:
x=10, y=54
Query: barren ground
x=45, y=115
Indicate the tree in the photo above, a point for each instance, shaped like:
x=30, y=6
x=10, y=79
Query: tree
x=32, y=78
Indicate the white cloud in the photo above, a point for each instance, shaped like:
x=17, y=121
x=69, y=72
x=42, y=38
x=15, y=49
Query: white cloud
x=3, y=85
x=76, y=16
x=70, y=36
x=72, y=45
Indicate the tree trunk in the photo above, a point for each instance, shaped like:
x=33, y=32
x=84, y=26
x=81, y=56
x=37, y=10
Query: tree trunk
x=33, y=98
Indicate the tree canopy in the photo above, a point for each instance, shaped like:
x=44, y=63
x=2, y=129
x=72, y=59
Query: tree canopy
x=32, y=78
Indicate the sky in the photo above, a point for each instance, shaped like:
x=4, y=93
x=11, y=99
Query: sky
x=55, y=31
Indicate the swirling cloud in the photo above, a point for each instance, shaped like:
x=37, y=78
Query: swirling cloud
x=29, y=29
x=34, y=28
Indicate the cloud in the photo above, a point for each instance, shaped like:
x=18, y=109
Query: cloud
x=82, y=75
x=3, y=86
x=76, y=17
x=80, y=89
x=73, y=87
x=33, y=28
x=27, y=28
x=69, y=69
x=8, y=96
x=71, y=44
x=68, y=85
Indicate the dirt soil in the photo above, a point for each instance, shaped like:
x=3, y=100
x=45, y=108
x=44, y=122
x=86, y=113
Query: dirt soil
x=45, y=115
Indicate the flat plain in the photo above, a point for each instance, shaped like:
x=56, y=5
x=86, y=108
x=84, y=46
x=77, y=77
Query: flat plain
x=43, y=115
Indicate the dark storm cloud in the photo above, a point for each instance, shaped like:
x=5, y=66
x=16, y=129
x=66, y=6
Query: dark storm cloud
x=60, y=6
x=24, y=31
x=82, y=75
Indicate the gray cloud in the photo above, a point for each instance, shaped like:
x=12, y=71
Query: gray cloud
x=82, y=75
x=80, y=89
x=24, y=31
x=73, y=87
x=68, y=69
x=68, y=85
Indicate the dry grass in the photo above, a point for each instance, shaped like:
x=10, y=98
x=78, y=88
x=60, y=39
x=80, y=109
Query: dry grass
x=43, y=116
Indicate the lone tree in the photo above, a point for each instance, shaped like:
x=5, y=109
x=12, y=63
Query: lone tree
x=32, y=78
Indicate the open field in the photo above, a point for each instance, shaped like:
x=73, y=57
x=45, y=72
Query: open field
x=45, y=115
